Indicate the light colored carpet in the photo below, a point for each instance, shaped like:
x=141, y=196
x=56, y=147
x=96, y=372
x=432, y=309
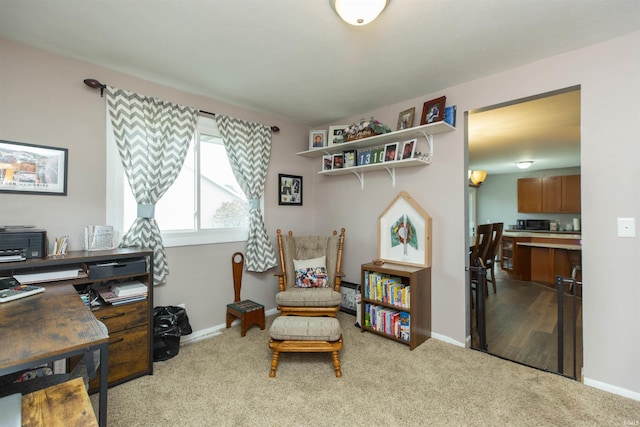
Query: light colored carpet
x=224, y=381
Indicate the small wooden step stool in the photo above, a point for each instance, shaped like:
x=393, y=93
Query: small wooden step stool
x=249, y=312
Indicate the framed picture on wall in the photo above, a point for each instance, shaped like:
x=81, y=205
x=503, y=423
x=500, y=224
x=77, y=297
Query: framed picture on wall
x=433, y=111
x=289, y=190
x=405, y=118
x=33, y=169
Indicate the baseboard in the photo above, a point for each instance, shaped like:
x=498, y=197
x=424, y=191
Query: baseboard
x=202, y=334
x=446, y=339
x=612, y=389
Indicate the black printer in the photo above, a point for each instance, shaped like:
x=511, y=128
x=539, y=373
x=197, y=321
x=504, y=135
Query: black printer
x=20, y=243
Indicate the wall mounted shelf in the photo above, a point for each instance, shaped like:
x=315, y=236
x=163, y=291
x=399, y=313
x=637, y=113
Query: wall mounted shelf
x=426, y=131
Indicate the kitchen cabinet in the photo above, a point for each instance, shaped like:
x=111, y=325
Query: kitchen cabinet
x=551, y=194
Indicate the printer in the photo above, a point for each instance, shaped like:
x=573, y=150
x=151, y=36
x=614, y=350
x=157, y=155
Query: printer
x=18, y=244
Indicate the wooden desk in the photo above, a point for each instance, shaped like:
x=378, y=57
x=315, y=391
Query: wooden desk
x=50, y=326
x=61, y=405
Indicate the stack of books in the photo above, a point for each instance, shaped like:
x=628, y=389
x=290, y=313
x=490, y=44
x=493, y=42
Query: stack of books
x=123, y=293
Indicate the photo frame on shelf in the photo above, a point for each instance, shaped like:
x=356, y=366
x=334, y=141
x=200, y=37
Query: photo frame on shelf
x=404, y=232
x=336, y=134
x=405, y=118
x=391, y=151
x=349, y=292
x=33, y=169
x=433, y=111
x=289, y=190
x=317, y=139
x=338, y=161
x=408, y=149
x=350, y=158
x=327, y=162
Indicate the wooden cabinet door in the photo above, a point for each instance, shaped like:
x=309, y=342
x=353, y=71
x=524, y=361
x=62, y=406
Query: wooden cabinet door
x=529, y=195
x=571, y=194
x=552, y=194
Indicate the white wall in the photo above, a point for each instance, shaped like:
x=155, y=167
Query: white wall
x=609, y=76
x=43, y=101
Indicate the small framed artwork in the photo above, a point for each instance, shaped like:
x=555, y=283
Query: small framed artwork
x=433, y=111
x=364, y=157
x=404, y=232
x=391, y=151
x=405, y=118
x=317, y=139
x=33, y=169
x=350, y=158
x=338, y=161
x=289, y=190
x=327, y=162
x=408, y=148
x=377, y=155
x=348, y=291
x=336, y=134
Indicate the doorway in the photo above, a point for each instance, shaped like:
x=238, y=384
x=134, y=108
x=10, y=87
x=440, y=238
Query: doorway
x=521, y=317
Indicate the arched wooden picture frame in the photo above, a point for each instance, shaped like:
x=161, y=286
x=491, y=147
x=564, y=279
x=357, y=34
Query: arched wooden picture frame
x=404, y=232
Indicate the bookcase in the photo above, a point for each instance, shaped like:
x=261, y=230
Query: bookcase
x=396, y=302
x=130, y=324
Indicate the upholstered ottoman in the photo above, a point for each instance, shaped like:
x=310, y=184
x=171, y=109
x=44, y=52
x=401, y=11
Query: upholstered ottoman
x=304, y=334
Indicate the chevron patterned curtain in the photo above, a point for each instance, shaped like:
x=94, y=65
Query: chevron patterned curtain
x=248, y=146
x=153, y=137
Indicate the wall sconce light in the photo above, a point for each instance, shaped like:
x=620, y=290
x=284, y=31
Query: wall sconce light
x=477, y=177
x=525, y=164
x=358, y=12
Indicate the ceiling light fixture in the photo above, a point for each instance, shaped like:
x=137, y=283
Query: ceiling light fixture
x=358, y=12
x=524, y=164
x=477, y=177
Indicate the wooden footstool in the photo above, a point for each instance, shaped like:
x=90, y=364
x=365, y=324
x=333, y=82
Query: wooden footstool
x=304, y=334
x=249, y=312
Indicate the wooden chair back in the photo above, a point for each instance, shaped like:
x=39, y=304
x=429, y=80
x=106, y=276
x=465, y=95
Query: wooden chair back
x=237, y=263
x=484, y=237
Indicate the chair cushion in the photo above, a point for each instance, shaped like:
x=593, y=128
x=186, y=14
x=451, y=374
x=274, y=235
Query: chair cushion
x=311, y=273
x=309, y=297
x=303, y=328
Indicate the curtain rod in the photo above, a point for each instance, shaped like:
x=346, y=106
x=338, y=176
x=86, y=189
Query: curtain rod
x=95, y=84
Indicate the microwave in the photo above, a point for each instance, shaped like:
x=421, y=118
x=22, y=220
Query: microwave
x=533, y=224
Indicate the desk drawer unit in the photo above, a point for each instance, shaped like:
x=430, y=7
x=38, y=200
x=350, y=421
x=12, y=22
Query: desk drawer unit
x=125, y=316
x=128, y=356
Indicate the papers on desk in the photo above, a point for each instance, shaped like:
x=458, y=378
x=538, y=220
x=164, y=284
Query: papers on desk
x=49, y=276
x=124, y=293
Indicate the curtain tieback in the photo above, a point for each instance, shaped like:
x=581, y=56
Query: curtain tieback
x=254, y=204
x=146, y=211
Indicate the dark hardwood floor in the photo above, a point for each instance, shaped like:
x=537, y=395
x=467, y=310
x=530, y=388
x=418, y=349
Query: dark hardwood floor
x=522, y=325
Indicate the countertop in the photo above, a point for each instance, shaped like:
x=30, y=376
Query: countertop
x=543, y=234
x=552, y=246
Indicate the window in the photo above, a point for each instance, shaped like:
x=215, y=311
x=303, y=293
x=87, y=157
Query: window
x=204, y=205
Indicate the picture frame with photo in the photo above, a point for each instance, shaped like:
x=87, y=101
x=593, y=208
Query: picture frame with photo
x=349, y=293
x=317, y=139
x=336, y=134
x=327, y=162
x=433, y=111
x=391, y=151
x=338, y=161
x=33, y=169
x=350, y=158
x=408, y=149
x=405, y=118
x=289, y=190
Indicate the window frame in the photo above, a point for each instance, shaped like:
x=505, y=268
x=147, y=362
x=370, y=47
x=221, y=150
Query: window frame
x=115, y=194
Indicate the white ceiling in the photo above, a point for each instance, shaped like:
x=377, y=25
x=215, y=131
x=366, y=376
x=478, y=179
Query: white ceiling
x=297, y=60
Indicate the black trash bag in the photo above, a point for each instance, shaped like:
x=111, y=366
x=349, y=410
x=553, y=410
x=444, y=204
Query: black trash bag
x=169, y=324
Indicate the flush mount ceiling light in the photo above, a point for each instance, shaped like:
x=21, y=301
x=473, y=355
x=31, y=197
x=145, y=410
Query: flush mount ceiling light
x=358, y=12
x=524, y=164
x=477, y=177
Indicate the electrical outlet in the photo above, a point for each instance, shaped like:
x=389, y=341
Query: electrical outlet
x=626, y=227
